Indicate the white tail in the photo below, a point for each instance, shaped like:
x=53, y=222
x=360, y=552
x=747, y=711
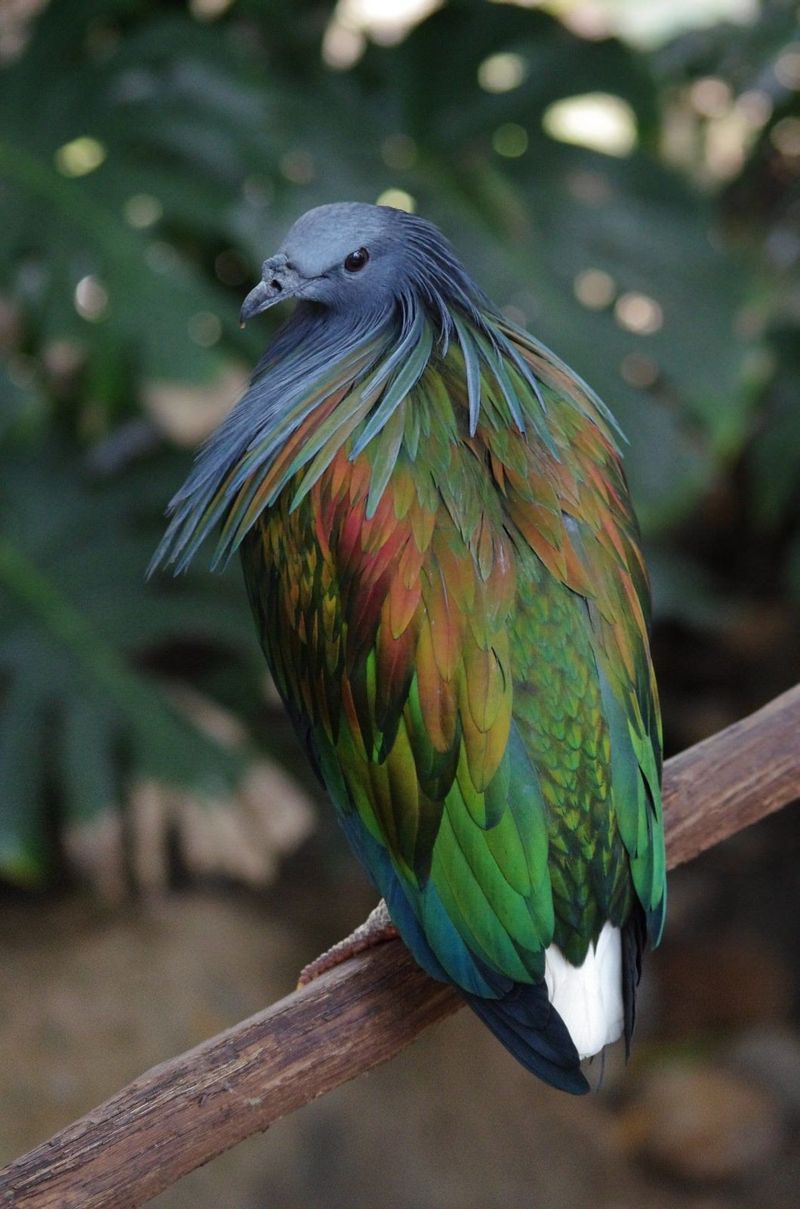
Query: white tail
x=588, y=998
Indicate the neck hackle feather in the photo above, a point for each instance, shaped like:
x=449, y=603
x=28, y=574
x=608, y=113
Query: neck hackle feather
x=327, y=382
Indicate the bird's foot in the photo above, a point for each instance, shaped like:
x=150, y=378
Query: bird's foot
x=376, y=929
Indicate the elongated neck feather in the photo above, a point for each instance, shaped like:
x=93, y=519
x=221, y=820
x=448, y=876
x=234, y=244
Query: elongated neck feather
x=330, y=380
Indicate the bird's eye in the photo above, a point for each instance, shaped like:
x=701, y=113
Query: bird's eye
x=356, y=260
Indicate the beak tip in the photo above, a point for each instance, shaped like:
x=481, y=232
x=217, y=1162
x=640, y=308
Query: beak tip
x=258, y=300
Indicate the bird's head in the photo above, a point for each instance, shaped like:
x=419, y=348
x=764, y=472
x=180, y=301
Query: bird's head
x=363, y=261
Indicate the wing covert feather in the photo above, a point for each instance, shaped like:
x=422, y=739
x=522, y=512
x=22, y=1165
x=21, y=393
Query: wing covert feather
x=465, y=651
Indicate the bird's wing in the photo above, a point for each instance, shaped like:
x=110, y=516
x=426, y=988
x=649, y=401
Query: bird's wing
x=465, y=654
x=571, y=506
x=389, y=643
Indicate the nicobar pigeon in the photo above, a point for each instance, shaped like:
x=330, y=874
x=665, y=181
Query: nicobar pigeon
x=445, y=572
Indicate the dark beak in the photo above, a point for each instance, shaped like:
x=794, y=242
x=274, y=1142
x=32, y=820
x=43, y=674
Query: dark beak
x=278, y=281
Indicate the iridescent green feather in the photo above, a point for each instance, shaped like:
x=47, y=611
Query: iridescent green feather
x=451, y=622
x=446, y=577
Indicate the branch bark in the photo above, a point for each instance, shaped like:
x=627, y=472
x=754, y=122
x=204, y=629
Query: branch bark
x=178, y=1115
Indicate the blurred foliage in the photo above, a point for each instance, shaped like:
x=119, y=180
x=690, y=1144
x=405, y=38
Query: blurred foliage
x=79, y=711
x=149, y=160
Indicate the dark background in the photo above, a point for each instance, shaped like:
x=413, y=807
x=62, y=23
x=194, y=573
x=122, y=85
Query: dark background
x=624, y=178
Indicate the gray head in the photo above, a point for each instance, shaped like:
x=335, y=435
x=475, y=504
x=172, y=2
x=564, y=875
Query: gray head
x=363, y=260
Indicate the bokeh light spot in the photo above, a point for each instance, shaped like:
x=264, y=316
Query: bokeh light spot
x=787, y=67
x=385, y=21
x=755, y=107
x=710, y=97
x=639, y=371
x=298, y=167
x=204, y=329
x=342, y=45
x=143, y=210
x=785, y=137
x=595, y=289
x=638, y=313
x=399, y=199
x=80, y=156
x=502, y=72
x=510, y=140
x=91, y=299
x=208, y=10
x=596, y=120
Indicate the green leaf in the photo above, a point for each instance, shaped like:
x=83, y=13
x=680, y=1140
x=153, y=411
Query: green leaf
x=79, y=715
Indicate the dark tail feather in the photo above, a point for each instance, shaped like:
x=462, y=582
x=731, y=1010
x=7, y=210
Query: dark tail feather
x=634, y=938
x=532, y=1031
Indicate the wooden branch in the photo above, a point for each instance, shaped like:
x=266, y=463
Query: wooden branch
x=738, y=776
x=186, y=1111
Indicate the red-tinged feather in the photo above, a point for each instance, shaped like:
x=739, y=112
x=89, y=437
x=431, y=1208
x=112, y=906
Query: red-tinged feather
x=360, y=475
x=634, y=604
x=570, y=494
x=351, y=718
x=395, y=667
x=539, y=484
x=534, y=497
x=456, y=570
x=576, y=576
x=485, y=748
x=487, y=683
x=351, y=520
x=502, y=584
x=611, y=537
x=276, y=471
x=382, y=557
x=560, y=379
x=339, y=475
x=498, y=471
x=438, y=697
x=483, y=548
x=320, y=462
x=622, y=657
x=446, y=623
x=596, y=467
x=409, y=567
x=401, y=605
x=363, y=620
x=518, y=484
x=552, y=558
x=376, y=530
x=323, y=527
x=637, y=565
x=549, y=524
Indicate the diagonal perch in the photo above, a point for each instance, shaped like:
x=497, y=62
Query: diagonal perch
x=178, y=1115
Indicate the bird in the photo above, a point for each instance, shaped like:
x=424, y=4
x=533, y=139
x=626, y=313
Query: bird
x=446, y=575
